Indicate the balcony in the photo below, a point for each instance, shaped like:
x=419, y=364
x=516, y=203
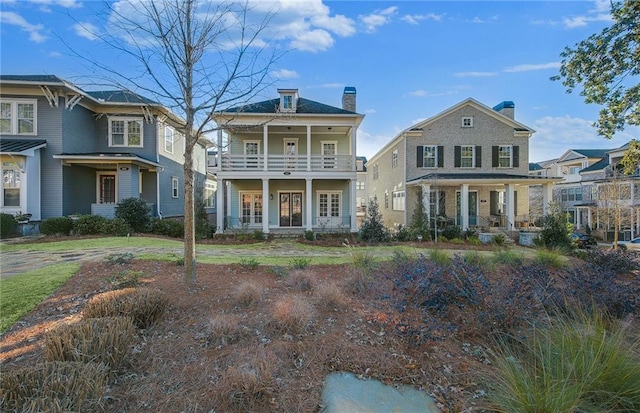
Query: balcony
x=324, y=163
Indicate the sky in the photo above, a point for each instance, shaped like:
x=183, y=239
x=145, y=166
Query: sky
x=408, y=60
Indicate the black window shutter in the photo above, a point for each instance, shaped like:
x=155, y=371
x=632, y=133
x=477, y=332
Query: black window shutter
x=494, y=156
x=420, y=160
x=493, y=203
x=440, y=156
x=456, y=156
x=515, y=203
x=478, y=156
x=516, y=156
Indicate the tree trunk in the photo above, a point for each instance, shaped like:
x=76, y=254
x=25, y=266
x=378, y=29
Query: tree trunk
x=189, y=220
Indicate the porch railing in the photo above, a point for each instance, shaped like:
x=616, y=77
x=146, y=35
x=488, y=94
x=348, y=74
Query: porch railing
x=326, y=163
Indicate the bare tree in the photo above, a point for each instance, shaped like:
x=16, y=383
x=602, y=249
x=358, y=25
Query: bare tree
x=195, y=57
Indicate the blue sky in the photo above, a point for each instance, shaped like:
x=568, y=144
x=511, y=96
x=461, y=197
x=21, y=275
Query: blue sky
x=409, y=60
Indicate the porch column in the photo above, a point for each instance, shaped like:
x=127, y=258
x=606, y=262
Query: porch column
x=352, y=203
x=589, y=218
x=464, y=206
x=220, y=189
x=265, y=150
x=309, y=205
x=219, y=165
x=510, y=210
x=426, y=200
x=228, y=199
x=265, y=205
x=308, y=147
x=547, y=197
x=354, y=132
x=578, y=218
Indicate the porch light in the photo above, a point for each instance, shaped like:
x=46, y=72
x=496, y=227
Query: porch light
x=287, y=173
x=271, y=197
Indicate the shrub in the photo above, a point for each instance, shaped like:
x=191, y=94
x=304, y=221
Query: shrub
x=556, y=231
x=419, y=225
x=168, y=227
x=373, y=229
x=125, y=279
x=498, y=239
x=330, y=295
x=56, y=226
x=119, y=258
x=403, y=234
x=478, y=259
x=439, y=256
x=549, y=259
x=246, y=293
x=292, y=314
x=258, y=235
x=101, y=340
x=144, y=305
x=300, y=263
x=508, y=257
x=309, y=235
x=452, y=231
x=363, y=260
x=617, y=261
x=7, y=225
x=54, y=386
x=136, y=213
x=225, y=329
x=300, y=282
x=249, y=263
x=89, y=225
x=279, y=271
x=117, y=227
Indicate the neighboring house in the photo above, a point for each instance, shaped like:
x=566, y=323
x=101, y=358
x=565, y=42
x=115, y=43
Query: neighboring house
x=361, y=189
x=288, y=165
x=468, y=165
x=66, y=151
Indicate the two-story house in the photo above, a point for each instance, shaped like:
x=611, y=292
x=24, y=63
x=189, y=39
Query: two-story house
x=468, y=165
x=361, y=189
x=288, y=164
x=66, y=151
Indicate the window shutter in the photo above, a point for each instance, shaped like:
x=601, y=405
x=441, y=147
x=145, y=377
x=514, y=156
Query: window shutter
x=494, y=156
x=515, y=203
x=440, y=156
x=493, y=203
x=456, y=156
x=516, y=156
x=478, y=156
x=420, y=160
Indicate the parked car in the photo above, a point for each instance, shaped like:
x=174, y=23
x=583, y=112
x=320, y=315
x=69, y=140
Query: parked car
x=634, y=244
x=584, y=240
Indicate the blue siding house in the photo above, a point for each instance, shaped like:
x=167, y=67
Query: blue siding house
x=67, y=151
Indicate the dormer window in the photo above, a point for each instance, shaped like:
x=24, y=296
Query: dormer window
x=288, y=99
x=287, y=102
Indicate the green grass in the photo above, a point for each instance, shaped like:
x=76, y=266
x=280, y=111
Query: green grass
x=21, y=293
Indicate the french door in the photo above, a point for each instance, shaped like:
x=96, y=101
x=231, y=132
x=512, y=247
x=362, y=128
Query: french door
x=473, y=208
x=290, y=209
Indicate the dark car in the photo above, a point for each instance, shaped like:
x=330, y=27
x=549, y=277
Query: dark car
x=583, y=240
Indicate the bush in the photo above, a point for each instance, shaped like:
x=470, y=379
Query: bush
x=403, y=234
x=246, y=294
x=168, y=227
x=225, y=329
x=144, y=305
x=452, y=231
x=117, y=227
x=99, y=340
x=125, y=279
x=89, y=225
x=373, y=229
x=59, y=386
x=556, y=231
x=136, y=213
x=549, y=259
x=56, y=226
x=7, y=225
x=258, y=235
x=300, y=263
x=292, y=314
x=249, y=263
x=309, y=235
x=498, y=239
x=617, y=261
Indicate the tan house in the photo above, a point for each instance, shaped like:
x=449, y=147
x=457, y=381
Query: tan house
x=288, y=165
x=468, y=165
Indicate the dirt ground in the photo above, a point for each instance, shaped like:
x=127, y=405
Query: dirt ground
x=286, y=330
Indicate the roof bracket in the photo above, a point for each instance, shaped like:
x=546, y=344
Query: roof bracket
x=148, y=117
x=73, y=101
x=52, y=97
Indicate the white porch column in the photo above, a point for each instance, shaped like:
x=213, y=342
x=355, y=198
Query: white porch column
x=308, y=147
x=510, y=204
x=354, y=132
x=219, y=166
x=352, y=204
x=547, y=197
x=228, y=199
x=265, y=150
x=464, y=206
x=309, y=204
x=426, y=200
x=220, y=192
x=265, y=205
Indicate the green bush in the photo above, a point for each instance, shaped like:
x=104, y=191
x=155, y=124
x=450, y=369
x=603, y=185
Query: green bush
x=300, y=263
x=56, y=226
x=136, y=213
x=89, y=225
x=452, y=231
x=117, y=227
x=309, y=235
x=499, y=239
x=7, y=225
x=373, y=229
x=168, y=227
x=556, y=231
x=249, y=263
x=258, y=235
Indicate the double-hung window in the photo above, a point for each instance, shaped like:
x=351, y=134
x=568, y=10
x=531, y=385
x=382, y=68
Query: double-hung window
x=174, y=187
x=168, y=139
x=18, y=117
x=398, y=203
x=394, y=158
x=430, y=156
x=10, y=184
x=467, y=156
x=125, y=132
x=504, y=156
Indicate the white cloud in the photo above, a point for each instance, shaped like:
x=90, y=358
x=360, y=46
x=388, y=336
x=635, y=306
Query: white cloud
x=72, y=4
x=419, y=92
x=531, y=67
x=54, y=55
x=34, y=30
x=377, y=18
x=86, y=30
x=313, y=41
x=368, y=144
x=600, y=13
x=475, y=74
x=285, y=74
x=417, y=18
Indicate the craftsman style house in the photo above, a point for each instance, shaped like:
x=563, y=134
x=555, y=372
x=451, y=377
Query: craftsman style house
x=66, y=151
x=288, y=165
x=468, y=165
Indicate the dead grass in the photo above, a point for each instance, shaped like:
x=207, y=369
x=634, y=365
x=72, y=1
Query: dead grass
x=292, y=314
x=247, y=293
x=330, y=295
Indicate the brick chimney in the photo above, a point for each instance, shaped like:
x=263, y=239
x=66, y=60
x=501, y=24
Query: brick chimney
x=349, y=99
x=507, y=108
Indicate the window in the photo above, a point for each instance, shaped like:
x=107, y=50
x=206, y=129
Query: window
x=329, y=152
x=329, y=204
x=125, y=132
x=430, y=156
x=252, y=149
x=168, y=139
x=209, y=194
x=467, y=156
x=504, y=156
x=386, y=200
x=398, y=201
x=107, y=188
x=360, y=185
x=251, y=207
x=287, y=102
x=18, y=117
x=571, y=194
x=174, y=187
x=467, y=122
x=374, y=168
x=436, y=203
x=10, y=184
x=394, y=158
x=574, y=170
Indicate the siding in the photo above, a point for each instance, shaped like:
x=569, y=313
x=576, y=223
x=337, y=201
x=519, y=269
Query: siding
x=50, y=125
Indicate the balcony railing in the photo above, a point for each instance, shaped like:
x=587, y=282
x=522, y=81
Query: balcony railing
x=326, y=163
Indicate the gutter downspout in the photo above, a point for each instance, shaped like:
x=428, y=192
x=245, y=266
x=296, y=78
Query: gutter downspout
x=158, y=169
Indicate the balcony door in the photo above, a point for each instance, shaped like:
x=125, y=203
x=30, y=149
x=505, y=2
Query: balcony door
x=290, y=153
x=329, y=152
x=290, y=209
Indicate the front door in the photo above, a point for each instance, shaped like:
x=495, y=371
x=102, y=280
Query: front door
x=473, y=208
x=107, y=189
x=290, y=209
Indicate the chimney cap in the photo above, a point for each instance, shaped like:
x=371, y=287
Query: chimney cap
x=507, y=104
x=350, y=90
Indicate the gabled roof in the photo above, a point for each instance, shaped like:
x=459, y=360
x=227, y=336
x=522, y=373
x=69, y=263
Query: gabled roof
x=488, y=176
x=16, y=146
x=121, y=96
x=303, y=106
x=535, y=166
x=32, y=78
x=598, y=166
x=592, y=153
